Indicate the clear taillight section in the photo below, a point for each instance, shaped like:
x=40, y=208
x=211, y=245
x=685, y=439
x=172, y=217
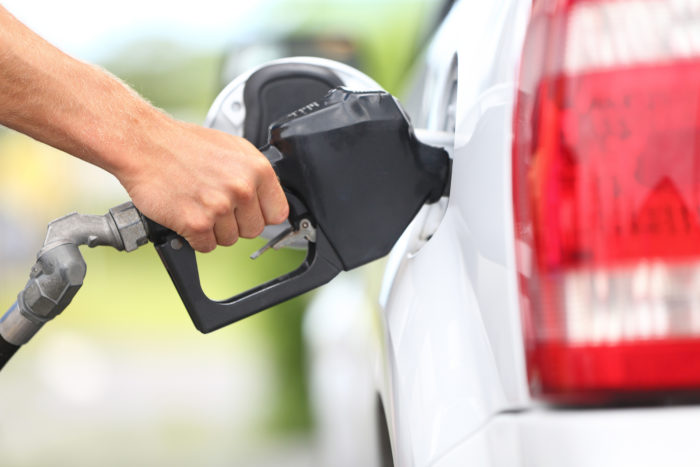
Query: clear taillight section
x=606, y=175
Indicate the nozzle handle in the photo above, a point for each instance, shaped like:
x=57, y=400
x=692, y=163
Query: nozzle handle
x=320, y=266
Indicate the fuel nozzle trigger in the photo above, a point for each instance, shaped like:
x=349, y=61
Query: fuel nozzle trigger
x=288, y=236
x=354, y=175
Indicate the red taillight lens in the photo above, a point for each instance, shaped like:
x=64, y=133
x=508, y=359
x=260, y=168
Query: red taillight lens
x=606, y=174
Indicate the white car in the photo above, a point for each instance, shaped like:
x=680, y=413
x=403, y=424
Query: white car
x=547, y=313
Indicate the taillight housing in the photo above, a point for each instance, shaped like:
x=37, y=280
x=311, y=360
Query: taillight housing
x=606, y=191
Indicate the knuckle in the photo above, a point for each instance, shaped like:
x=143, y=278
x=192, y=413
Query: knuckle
x=252, y=229
x=217, y=204
x=198, y=225
x=226, y=236
x=269, y=177
x=279, y=215
x=221, y=207
x=263, y=167
x=244, y=192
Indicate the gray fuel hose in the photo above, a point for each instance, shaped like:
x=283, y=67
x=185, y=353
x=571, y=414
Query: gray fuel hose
x=59, y=270
x=7, y=349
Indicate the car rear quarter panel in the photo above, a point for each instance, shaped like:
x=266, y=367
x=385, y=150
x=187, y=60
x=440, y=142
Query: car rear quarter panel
x=453, y=346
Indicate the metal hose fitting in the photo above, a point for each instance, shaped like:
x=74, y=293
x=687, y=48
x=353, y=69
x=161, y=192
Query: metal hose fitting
x=60, y=269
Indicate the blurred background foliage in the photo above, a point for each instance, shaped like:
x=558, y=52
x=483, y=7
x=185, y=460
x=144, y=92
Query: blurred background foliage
x=123, y=376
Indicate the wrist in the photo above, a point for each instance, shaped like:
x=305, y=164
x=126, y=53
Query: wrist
x=129, y=134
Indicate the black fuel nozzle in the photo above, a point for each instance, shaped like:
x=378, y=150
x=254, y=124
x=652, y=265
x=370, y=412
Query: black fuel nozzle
x=355, y=163
x=350, y=166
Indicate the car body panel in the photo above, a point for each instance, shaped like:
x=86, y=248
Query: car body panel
x=453, y=332
x=445, y=344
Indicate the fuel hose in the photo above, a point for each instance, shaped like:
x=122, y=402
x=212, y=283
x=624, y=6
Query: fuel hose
x=59, y=270
x=7, y=349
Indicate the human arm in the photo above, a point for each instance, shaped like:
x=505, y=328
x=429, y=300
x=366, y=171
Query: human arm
x=209, y=186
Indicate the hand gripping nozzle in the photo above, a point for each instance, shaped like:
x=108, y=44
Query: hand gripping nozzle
x=354, y=175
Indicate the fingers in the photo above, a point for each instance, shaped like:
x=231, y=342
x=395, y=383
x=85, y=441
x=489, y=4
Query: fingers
x=226, y=230
x=273, y=202
x=226, y=218
x=250, y=219
x=199, y=235
x=224, y=233
x=247, y=223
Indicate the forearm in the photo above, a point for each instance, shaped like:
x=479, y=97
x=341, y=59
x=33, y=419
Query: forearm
x=209, y=186
x=66, y=103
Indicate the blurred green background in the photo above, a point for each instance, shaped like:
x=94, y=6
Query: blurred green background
x=122, y=376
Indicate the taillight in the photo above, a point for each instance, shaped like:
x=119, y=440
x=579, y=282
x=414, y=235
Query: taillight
x=606, y=176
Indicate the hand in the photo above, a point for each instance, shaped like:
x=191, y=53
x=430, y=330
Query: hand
x=206, y=185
